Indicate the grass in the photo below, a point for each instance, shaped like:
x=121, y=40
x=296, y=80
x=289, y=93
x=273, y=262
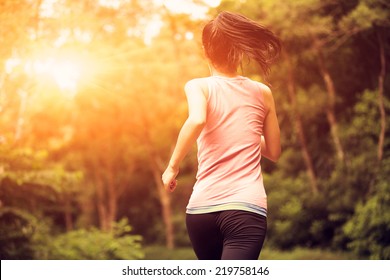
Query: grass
x=162, y=253
x=305, y=254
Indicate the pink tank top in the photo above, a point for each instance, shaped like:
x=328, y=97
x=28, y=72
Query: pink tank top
x=229, y=151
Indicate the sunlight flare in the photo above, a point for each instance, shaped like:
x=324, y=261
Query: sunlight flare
x=66, y=74
x=67, y=71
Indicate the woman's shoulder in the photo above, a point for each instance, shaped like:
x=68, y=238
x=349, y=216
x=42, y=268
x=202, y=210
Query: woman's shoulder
x=263, y=88
x=266, y=92
x=197, y=84
x=197, y=81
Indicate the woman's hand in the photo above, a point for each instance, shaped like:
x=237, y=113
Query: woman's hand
x=169, y=178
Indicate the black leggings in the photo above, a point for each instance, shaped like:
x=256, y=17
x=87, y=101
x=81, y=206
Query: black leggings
x=227, y=235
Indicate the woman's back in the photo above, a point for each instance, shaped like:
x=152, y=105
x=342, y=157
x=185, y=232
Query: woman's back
x=229, y=145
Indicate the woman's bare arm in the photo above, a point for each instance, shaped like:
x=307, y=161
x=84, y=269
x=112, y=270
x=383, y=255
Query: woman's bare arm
x=190, y=131
x=270, y=140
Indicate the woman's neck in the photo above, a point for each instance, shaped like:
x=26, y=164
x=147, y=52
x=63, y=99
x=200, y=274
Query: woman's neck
x=215, y=72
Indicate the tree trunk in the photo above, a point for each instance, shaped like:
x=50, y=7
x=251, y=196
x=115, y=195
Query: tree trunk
x=330, y=114
x=165, y=201
x=68, y=213
x=112, y=199
x=101, y=205
x=299, y=127
x=381, y=79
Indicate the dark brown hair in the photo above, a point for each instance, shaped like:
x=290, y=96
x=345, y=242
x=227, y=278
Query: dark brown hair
x=230, y=36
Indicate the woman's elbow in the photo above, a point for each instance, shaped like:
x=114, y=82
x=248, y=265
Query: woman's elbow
x=197, y=122
x=275, y=155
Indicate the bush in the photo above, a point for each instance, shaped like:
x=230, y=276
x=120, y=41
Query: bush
x=369, y=228
x=94, y=244
x=24, y=236
x=18, y=231
x=286, y=218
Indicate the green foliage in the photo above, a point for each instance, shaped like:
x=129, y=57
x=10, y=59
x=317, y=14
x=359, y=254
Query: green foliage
x=369, y=228
x=363, y=129
x=366, y=15
x=93, y=244
x=285, y=217
x=19, y=230
x=24, y=236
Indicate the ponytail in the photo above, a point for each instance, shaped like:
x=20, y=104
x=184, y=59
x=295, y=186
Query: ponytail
x=229, y=37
